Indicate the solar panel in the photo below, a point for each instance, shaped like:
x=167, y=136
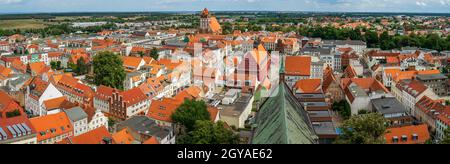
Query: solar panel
x=19, y=133
x=12, y=131
x=3, y=133
x=26, y=128
x=24, y=132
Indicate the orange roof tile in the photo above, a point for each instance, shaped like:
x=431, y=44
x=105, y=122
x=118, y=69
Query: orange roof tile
x=308, y=86
x=133, y=96
x=151, y=140
x=298, y=65
x=95, y=136
x=38, y=67
x=408, y=131
x=50, y=126
x=133, y=62
x=123, y=137
x=54, y=103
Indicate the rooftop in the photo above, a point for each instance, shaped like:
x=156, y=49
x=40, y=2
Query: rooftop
x=388, y=105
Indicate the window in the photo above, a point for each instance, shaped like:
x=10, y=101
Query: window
x=395, y=139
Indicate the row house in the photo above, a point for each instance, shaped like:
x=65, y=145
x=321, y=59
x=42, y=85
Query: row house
x=52, y=128
x=393, y=75
x=78, y=119
x=102, y=98
x=428, y=110
x=442, y=124
x=269, y=43
x=409, y=92
x=358, y=46
x=125, y=104
x=5, y=46
x=75, y=91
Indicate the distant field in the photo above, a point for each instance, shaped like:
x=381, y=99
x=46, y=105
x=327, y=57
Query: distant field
x=22, y=24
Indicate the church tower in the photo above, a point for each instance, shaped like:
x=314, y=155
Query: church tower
x=205, y=21
x=209, y=24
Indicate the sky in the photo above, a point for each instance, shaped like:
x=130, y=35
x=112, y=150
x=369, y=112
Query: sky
x=32, y=6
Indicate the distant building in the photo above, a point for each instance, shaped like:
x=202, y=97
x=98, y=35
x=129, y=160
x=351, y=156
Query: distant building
x=209, y=24
x=437, y=82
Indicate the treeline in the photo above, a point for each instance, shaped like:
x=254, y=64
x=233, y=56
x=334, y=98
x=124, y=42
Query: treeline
x=383, y=41
x=59, y=29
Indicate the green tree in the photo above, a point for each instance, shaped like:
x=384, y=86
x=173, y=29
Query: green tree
x=343, y=108
x=207, y=132
x=141, y=54
x=108, y=70
x=154, y=53
x=363, y=129
x=53, y=65
x=81, y=67
x=446, y=139
x=58, y=64
x=189, y=112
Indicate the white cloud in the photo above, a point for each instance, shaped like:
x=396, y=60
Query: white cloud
x=9, y=1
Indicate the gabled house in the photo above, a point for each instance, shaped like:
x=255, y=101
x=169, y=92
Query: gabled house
x=36, y=93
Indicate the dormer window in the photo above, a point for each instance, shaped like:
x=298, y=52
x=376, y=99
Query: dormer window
x=404, y=138
x=395, y=139
x=415, y=137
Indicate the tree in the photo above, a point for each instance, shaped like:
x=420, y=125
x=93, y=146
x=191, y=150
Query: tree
x=446, y=139
x=207, y=132
x=58, y=64
x=81, y=67
x=108, y=70
x=363, y=129
x=53, y=65
x=189, y=112
x=141, y=54
x=343, y=108
x=154, y=53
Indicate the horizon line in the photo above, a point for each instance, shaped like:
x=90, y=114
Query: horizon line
x=217, y=11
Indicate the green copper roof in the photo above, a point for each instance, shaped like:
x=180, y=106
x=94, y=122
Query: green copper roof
x=282, y=120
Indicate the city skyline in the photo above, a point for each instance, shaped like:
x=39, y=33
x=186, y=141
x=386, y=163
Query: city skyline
x=406, y=6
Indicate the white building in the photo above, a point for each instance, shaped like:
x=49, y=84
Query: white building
x=96, y=120
x=37, y=92
x=79, y=120
x=409, y=92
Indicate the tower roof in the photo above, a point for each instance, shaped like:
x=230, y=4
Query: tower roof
x=205, y=12
x=282, y=120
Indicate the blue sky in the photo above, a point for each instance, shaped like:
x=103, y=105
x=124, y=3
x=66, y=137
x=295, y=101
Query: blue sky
x=21, y=6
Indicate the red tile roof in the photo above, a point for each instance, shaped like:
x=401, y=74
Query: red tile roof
x=298, y=66
x=308, y=86
x=421, y=131
x=368, y=84
x=50, y=126
x=96, y=136
x=133, y=96
x=151, y=140
x=412, y=87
